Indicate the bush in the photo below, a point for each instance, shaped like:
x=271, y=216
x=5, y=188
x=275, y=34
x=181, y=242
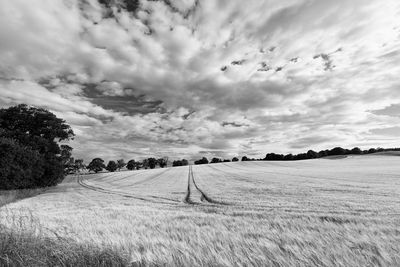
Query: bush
x=20, y=167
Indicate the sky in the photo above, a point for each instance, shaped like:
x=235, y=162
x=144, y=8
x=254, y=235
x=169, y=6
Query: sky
x=194, y=78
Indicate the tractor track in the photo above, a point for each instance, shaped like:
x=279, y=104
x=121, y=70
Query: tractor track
x=203, y=195
x=152, y=199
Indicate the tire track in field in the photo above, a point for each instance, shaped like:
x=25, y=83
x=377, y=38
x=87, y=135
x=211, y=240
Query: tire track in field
x=152, y=199
x=203, y=195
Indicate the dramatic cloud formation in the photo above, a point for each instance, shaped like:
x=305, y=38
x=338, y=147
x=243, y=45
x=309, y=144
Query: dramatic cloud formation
x=188, y=78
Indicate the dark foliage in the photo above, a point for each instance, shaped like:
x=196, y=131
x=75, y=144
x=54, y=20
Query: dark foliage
x=131, y=165
x=74, y=166
x=235, y=159
x=38, y=130
x=337, y=151
x=162, y=162
x=152, y=162
x=96, y=165
x=20, y=166
x=244, y=158
x=112, y=166
x=356, y=151
x=34, y=127
x=204, y=160
x=215, y=160
x=182, y=162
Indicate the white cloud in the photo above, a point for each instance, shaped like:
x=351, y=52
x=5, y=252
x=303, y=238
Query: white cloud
x=291, y=72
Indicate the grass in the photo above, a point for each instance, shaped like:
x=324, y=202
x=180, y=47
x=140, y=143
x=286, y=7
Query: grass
x=343, y=212
x=10, y=196
x=32, y=248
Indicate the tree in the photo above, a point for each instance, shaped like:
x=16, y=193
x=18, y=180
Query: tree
x=336, y=151
x=244, y=158
x=20, y=167
x=288, y=157
x=34, y=127
x=131, y=165
x=226, y=160
x=204, y=160
x=67, y=161
x=356, y=151
x=120, y=164
x=145, y=163
x=215, y=160
x=162, y=162
x=152, y=162
x=96, y=165
x=79, y=165
x=182, y=162
x=311, y=154
x=235, y=159
x=176, y=163
x=40, y=131
x=69, y=167
x=112, y=166
x=323, y=153
x=273, y=156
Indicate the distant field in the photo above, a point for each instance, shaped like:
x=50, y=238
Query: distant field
x=323, y=212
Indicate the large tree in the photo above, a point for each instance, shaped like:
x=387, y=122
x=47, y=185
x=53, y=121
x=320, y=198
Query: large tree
x=20, y=166
x=41, y=131
x=35, y=127
x=96, y=165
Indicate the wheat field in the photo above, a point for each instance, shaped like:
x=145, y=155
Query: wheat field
x=322, y=212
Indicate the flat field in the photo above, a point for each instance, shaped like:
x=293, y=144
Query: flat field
x=322, y=212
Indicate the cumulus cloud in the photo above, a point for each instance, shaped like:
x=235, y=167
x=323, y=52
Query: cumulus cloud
x=179, y=77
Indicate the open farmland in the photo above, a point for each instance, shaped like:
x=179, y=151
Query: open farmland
x=323, y=212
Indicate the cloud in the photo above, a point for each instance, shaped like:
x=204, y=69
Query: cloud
x=185, y=76
x=390, y=131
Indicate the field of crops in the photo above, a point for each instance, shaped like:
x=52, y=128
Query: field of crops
x=322, y=212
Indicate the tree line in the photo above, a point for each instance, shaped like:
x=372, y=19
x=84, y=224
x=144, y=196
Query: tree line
x=98, y=164
x=310, y=154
